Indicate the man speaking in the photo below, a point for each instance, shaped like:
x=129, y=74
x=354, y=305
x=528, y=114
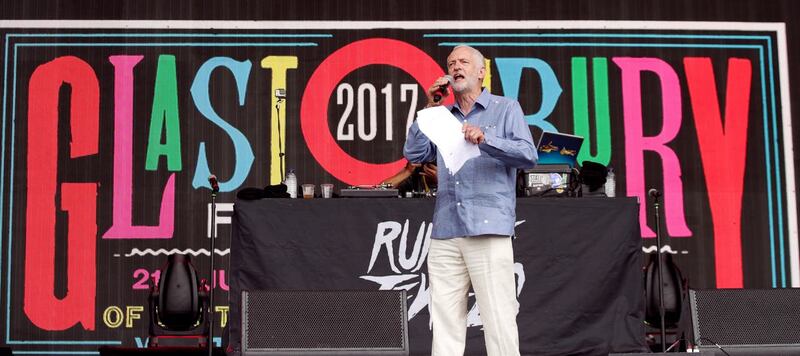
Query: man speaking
x=474, y=218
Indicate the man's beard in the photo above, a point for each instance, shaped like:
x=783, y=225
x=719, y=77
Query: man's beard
x=460, y=87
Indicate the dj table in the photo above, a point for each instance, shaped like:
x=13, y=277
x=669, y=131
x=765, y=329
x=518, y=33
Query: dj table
x=578, y=265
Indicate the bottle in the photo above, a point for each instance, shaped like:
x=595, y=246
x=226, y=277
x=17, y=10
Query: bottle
x=611, y=183
x=291, y=183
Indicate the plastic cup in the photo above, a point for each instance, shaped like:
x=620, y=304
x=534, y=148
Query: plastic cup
x=327, y=190
x=308, y=191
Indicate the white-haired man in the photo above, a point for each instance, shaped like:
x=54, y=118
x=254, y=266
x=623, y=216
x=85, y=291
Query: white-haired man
x=474, y=217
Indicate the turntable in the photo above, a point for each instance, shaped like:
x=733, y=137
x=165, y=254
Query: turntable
x=369, y=191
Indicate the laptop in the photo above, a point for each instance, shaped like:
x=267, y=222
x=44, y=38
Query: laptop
x=556, y=148
x=553, y=174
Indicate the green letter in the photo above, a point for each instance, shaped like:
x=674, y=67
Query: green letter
x=165, y=115
x=580, y=108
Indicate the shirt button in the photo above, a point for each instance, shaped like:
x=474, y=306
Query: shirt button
x=486, y=221
x=457, y=182
x=459, y=203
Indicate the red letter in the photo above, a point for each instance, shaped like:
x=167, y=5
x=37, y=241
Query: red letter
x=43, y=308
x=723, y=151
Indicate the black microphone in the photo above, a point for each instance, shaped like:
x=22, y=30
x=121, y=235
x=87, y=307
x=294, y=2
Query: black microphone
x=212, y=179
x=654, y=193
x=437, y=96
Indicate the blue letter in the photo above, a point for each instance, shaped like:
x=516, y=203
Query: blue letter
x=510, y=70
x=244, y=153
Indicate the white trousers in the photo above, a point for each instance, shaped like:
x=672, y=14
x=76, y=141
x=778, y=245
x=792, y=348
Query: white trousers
x=488, y=263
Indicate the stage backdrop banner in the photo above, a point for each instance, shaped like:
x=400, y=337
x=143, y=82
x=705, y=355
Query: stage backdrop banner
x=110, y=130
x=577, y=265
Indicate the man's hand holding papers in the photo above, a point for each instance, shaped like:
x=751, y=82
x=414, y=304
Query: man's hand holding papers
x=446, y=132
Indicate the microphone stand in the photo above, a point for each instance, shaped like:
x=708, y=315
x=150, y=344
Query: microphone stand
x=660, y=275
x=280, y=144
x=211, y=270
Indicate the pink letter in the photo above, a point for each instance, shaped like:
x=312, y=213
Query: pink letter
x=122, y=227
x=636, y=143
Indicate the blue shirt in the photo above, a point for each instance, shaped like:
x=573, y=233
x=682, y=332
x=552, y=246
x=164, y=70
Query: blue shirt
x=480, y=199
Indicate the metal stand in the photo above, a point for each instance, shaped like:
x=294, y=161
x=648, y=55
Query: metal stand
x=211, y=272
x=280, y=143
x=661, y=311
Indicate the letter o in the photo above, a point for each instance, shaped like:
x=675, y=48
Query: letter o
x=113, y=312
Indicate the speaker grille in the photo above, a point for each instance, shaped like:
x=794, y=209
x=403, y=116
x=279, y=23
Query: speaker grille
x=324, y=320
x=746, y=316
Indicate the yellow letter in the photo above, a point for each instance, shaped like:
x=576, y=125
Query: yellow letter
x=279, y=66
x=132, y=313
x=223, y=315
x=487, y=79
x=112, y=312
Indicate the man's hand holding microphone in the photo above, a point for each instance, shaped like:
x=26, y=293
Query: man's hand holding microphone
x=437, y=92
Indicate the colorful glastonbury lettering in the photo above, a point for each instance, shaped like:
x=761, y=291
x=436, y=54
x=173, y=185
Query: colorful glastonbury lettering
x=211, y=110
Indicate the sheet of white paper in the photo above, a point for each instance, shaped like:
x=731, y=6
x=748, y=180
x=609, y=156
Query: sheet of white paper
x=444, y=130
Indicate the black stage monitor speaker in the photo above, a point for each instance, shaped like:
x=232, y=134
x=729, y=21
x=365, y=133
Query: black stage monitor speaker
x=701, y=353
x=324, y=323
x=159, y=351
x=747, y=321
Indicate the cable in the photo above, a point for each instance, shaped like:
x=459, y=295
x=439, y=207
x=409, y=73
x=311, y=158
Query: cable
x=674, y=344
x=715, y=344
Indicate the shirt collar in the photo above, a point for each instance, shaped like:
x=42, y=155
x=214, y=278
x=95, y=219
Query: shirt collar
x=483, y=100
